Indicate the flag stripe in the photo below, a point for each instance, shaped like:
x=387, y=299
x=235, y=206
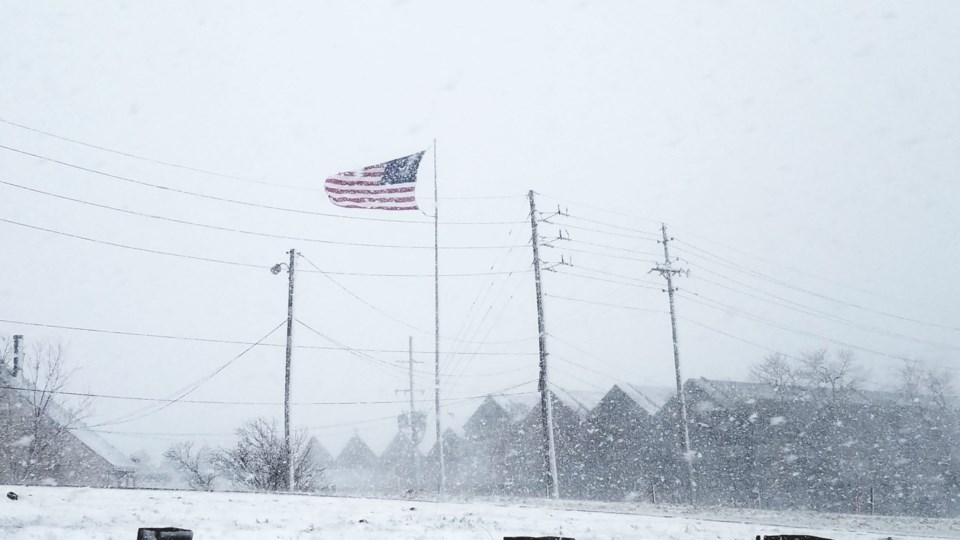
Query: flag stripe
x=414, y=207
x=365, y=191
x=342, y=182
x=372, y=199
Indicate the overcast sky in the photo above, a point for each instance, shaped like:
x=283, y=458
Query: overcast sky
x=803, y=154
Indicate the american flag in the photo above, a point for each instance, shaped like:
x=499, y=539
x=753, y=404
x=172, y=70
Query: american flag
x=387, y=186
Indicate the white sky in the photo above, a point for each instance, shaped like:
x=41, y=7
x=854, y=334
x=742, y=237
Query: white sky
x=798, y=139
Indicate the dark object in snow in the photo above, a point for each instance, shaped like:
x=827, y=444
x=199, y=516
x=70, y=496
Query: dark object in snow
x=537, y=538
x=164, y=533
x=363, y=521
x=12, y=496
x=791, y=537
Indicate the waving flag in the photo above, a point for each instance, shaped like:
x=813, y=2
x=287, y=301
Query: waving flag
x=387, y=186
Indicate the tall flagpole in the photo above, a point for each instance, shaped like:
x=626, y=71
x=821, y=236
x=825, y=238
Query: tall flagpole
x=436, y=318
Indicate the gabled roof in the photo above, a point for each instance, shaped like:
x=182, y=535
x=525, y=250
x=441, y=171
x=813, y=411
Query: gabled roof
x=356, y=455
x=517, y=406
x=648, y=398
x=61, y=416
x=581, y=402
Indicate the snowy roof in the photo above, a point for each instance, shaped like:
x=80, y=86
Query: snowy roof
x=517, y=406
x=648, y=398
x=580, y=402
x=57, y=413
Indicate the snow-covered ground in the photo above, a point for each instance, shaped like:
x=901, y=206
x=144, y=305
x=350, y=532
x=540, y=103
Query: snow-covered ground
x=83, y=513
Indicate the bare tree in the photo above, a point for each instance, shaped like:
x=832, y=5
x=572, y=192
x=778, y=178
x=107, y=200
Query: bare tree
x=839, y=375
x=196, y=467
x=258, y=461
x=775, y=369
x=37, y=431
x=939, y=385
x=912, y=378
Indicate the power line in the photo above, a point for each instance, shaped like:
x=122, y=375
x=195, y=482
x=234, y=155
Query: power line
x=231, y=263
x=606, y=246
x=813, y=312
x=620, y=306
x=598, y=254
x=155, y=160
x=134, y=248
x=235, y=201
x=723, y=262
x=763, y=320
x=234, y=342
x=795, y=270
x=385, y=313
x=210, y=172
x=216, y=402
x=594, y=278
x=653, y=284
x=356, y=352
x=192, y=387
x=601, y=209
x=235, y=230
x=738, y=338
x=599, y=231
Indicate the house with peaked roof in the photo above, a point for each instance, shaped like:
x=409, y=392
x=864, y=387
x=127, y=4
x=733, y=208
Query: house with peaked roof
x=398, y=470
x=356, y=468
x=757, y=444
x=42, y=443
x=454, y=449
x=620, y=432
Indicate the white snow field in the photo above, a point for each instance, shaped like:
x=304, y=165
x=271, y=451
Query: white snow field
x=56, y=513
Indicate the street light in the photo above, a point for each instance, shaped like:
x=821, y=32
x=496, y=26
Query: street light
x=287, y=449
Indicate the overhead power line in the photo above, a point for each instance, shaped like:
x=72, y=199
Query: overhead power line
x=220, y=402
x=235, y=342
x=235, y=230
x=211, y=172
x=190, y=388
x=713, y=304
x=729, y=264
x=236, y=201
x=157, y=161
x=231, y=263
x=795, y=270
x=807, y=310
x=134, y=248
x=619, y=306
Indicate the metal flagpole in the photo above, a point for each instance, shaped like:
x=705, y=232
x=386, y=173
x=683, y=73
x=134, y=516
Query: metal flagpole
x=436, y=318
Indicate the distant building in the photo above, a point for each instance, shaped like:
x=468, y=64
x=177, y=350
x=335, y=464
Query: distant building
x=355, y=470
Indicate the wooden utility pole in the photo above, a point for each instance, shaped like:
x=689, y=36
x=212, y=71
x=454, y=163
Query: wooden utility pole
x=287, y=446
x=414, y=436
x=546, y=407
x=668, y=271
x=436, y=321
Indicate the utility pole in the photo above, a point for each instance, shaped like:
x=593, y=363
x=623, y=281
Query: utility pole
x=414, y=439
x=287, y=446
x=436, y=321
x=17, y=352
x=667, y=271
x=546, y=407
x=413, y=423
